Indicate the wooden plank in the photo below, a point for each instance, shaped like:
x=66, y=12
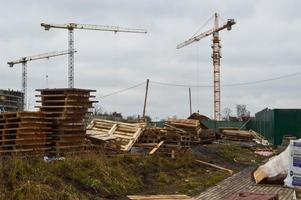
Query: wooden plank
x=156, y=148
x=215, y=166
x=135, y=137
x=158, y=197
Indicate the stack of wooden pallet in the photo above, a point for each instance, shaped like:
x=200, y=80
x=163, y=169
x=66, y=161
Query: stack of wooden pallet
x=24, y=132
x=207, y=136
x=173, y=141
x=114, y=135
x=187, y=128
x=66, y=109
x=234, y=134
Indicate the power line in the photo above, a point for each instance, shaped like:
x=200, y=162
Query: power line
x=202, y=86
x=123, y=90
x=227, y=85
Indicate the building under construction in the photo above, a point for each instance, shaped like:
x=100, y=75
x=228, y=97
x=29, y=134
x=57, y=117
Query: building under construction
x=11, y=101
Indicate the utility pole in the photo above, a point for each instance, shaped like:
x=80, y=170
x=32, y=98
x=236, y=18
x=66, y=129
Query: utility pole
x=190, y=108
x=145, y=98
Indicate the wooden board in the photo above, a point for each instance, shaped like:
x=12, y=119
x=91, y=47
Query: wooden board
x=159, y=197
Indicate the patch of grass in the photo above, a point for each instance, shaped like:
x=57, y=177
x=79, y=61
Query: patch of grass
x=96, y=176
x=240, y=154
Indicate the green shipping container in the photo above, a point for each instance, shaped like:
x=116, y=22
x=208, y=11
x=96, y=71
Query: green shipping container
x=273, y=124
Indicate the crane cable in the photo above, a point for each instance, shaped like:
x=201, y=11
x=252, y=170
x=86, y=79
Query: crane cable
x=205, y=24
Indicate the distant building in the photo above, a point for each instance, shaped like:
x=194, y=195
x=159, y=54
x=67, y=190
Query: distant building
x=11, y=101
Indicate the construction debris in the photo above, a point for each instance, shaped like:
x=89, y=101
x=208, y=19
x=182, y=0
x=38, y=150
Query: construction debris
x=178, y=136
x=114, y=135
x=159, y=197
x=175, y=140
x=200, y=118
x=192, y=127
x=207, y=136
x=186, y=127
x=265, y=153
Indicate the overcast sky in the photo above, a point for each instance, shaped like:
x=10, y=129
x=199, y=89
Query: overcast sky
x=265, y=43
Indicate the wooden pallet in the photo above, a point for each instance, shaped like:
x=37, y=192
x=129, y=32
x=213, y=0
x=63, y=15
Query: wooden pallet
x=126, y=134
x=175, y=141
x=66, y=109
x=23, y=132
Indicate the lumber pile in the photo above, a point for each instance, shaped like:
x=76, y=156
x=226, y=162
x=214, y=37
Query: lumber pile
x=66, y=110
x=176, y=137
x=199, y=117
x=114, y=135
x=187, y=128
x=191, y=128
x=24, y=132
x=173, y=142
x=207, y=136
x=234, y=134
x=159, y=197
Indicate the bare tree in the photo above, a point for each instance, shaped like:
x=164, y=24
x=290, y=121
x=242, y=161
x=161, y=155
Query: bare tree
x=226, y=114
x=97, y=109
x=242, y=112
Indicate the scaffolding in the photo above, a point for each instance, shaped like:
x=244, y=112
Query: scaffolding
x=11, y=101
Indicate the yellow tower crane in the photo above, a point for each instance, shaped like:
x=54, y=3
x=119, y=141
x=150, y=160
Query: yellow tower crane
x=216, y=56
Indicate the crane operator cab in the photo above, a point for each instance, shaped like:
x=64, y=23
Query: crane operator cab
x=230, y=22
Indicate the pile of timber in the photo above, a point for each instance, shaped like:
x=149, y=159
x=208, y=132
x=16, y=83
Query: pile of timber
x=113, y=135
x=66, y=110
x=187, y=128
x=167, y=141
x=191, y=128
x=24, y=132
x=234, y=134
x=207, y=135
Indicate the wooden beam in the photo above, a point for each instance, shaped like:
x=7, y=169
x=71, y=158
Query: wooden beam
x=215, y=166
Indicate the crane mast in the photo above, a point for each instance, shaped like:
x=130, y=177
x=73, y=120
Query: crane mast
x=71, y=27
x=24, y=61
x=216, y=56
